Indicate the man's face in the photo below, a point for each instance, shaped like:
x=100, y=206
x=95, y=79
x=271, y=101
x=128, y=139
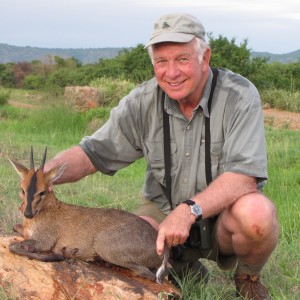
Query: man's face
x=178, y=71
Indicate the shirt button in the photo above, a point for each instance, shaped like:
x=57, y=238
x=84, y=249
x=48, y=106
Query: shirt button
x=188, y=127
x=185, y=181
x=187, y=154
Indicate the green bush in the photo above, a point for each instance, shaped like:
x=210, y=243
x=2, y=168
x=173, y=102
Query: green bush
x=112, y=90
x=282, y=99
x=33, y=82
x=4, y=96
x=102, y=113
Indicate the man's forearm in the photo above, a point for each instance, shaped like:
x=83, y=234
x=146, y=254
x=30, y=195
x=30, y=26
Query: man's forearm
x=223, y=192
x=78, y=165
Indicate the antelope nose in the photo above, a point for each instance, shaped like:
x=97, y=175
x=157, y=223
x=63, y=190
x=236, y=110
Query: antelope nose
x=28, y=213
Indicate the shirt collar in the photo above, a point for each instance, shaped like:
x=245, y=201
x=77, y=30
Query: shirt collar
x=205, y=96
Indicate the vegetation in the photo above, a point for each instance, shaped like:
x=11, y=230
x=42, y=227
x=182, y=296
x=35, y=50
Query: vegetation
x=50, y=123
x=272, y=79
x=4, y=96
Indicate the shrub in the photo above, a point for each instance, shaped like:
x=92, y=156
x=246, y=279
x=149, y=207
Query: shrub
x=282, y=99
x=33, y=82
x=112, y=90
x=4, y=96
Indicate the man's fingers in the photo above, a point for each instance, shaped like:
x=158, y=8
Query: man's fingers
x=160, y=243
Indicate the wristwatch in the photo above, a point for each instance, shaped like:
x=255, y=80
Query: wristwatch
x=196, y=209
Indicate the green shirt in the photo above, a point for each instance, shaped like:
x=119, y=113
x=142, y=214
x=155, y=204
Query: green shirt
x=135, y=130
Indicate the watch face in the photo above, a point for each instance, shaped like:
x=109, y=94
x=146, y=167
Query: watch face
x=196, y=210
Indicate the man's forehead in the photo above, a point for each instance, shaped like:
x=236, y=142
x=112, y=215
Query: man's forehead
x=173, y=54
x=174, y=48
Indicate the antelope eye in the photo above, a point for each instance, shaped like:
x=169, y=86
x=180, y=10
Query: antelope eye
x=41, y=196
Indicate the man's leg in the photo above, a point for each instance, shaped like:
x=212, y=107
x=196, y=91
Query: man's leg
x=249, y=229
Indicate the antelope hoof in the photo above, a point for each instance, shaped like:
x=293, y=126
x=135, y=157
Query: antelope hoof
x=18, y=228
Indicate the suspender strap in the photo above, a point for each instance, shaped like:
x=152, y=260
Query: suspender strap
x=167, y=154
x=207, y=129
x=167, y=150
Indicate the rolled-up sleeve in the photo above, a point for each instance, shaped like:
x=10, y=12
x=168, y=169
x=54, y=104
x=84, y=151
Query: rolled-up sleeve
x=116, y=144
x=245, y=146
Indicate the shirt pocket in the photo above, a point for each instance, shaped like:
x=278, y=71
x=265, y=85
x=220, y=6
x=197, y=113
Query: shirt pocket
x=154, y=155
x=217, y=163
x=217, y=160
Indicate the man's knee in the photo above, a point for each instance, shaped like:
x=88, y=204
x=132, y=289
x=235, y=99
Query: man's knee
x=257, y=216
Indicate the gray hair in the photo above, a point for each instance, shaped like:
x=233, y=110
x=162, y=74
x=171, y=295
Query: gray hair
x=199, y=45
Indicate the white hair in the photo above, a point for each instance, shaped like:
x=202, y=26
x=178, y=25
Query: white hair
x=199, y=45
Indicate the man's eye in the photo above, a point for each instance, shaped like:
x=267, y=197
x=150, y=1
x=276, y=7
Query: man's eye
x=22, y=192
x=183, y=60
x=161, y=62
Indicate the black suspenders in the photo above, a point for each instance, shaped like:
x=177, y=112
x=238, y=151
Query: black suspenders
x=207, y=129
x=167, y=150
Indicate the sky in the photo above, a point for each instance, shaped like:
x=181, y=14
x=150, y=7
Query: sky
x=268, y=25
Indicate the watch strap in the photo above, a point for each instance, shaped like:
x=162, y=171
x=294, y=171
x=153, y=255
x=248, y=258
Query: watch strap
x=189, y=202
x=192, y=203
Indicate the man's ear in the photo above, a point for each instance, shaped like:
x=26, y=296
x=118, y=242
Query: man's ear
x=206, y=59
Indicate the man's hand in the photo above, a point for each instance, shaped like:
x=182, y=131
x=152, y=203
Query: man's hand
x=175, y=228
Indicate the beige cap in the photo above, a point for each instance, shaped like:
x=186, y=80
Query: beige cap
x=178, y=28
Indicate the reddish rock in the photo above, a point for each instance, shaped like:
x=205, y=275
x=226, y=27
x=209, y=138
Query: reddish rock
x=23, y=278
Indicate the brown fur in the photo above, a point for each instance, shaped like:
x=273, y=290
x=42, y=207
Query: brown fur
x=70, y=231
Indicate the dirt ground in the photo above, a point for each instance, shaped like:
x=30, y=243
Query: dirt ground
x=282, y=119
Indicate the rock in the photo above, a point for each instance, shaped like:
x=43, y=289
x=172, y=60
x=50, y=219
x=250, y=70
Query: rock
x=267, y=106
x=23, y=278
x=82, y=98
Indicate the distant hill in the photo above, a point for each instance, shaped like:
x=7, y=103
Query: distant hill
x=291, y=57
x=15, y=54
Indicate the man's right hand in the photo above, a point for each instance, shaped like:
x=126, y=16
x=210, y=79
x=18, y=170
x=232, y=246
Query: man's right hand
x=175, y=228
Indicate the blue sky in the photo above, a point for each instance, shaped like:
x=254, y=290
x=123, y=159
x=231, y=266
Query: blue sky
x=272, y=26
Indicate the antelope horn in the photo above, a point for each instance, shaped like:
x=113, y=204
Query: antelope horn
x=31, y=159
x=44, y=159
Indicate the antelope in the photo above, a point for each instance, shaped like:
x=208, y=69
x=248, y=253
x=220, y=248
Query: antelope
x=54, y=231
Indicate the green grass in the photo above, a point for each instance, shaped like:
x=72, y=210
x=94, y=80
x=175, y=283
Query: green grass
x=59, y=128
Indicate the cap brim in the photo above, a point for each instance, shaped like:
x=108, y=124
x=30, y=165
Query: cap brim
x=175, y=37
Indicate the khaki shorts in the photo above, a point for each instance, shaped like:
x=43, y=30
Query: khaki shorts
x=225, y=262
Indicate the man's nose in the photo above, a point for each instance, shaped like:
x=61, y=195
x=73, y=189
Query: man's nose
x=172, y=70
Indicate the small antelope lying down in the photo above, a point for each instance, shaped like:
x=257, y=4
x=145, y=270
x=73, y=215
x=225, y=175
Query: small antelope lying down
x=62, y=230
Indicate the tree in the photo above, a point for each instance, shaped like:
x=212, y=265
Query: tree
x=137, y=64
x=237, y=58
x=20, y=71
x=6, y=75
x=228, y=55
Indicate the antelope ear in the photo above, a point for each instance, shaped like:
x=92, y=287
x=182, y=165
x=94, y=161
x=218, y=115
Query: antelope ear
x=54, y=173
x=20, y=169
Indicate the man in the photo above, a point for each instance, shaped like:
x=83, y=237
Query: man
x=241, y=222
